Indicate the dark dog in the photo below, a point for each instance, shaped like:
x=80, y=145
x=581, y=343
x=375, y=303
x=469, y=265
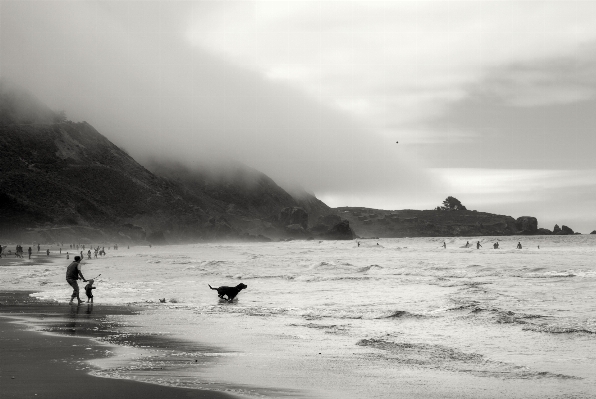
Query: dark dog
x=230, y=292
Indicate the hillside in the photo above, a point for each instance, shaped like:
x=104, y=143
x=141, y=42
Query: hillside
x=61, y=180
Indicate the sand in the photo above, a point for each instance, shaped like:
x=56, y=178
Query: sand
x=42, y=365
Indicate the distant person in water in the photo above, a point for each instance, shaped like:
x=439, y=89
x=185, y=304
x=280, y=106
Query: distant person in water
x=29, y=251
x=73, y=272
x=519, y=246
x=38, y=248
x=67, y=256
x=89, y=254
x=467, y=244
x=47, y=252
x=496, y=245
x=444, y=245
x=0, y=250
x=478, y=246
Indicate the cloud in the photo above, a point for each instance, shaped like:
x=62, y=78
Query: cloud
x=531, y=184
x=400, y=63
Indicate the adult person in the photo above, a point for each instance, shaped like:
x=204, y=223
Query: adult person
x=0, y=250
x=519, y=246
x=467, y=244
x=30, y=251
x=38, y=247
x=73, y=272
x=444, y=245
x=478, y=246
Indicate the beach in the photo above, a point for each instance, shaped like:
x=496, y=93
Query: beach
x=405, y=318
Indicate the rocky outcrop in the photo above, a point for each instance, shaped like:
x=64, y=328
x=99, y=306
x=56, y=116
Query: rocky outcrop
x=566, y=230
x=329, y=220
x=341, y=231
x=296, y=230
x=593, y=232
x=562, y=231
x=526, y=225
x=293, y=215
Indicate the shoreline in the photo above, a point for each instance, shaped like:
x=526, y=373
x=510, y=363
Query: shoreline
x=55, y=361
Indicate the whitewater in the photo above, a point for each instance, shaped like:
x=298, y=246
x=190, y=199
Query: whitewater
x=331, y=319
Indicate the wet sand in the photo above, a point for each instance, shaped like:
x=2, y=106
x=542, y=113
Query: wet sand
x=41, y=365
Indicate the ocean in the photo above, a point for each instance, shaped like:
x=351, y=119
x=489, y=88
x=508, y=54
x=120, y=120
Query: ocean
x=331, y=319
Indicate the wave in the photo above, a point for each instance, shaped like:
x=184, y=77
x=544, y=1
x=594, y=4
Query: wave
x=545, y=328
x=441, y=357
x=368, y=268
x=498, y=316
x=551, y=274
x=401, y=314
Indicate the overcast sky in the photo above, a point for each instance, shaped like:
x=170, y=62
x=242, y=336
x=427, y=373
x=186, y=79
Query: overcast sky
x=492, y=102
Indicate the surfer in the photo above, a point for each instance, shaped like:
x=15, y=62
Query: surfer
x=519, y=246
x=496, y=245
x=444, y=245
x=467, y=244
x=478, y=246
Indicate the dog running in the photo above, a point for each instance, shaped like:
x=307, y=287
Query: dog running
x=230, y=292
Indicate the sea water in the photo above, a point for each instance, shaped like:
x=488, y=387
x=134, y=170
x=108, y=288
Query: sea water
x=331, y=319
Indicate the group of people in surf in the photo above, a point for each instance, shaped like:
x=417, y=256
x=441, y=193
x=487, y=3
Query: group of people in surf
x=478, y=245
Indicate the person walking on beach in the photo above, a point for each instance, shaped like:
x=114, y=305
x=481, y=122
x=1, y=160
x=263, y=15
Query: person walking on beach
x=73, y=272
x=478, y=246
x=30, y=251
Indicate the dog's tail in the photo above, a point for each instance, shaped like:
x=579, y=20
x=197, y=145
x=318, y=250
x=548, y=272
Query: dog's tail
x=212, y=287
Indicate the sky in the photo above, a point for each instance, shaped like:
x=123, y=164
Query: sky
x=492, y=102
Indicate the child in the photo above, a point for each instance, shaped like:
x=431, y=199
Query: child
x=88, y=290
